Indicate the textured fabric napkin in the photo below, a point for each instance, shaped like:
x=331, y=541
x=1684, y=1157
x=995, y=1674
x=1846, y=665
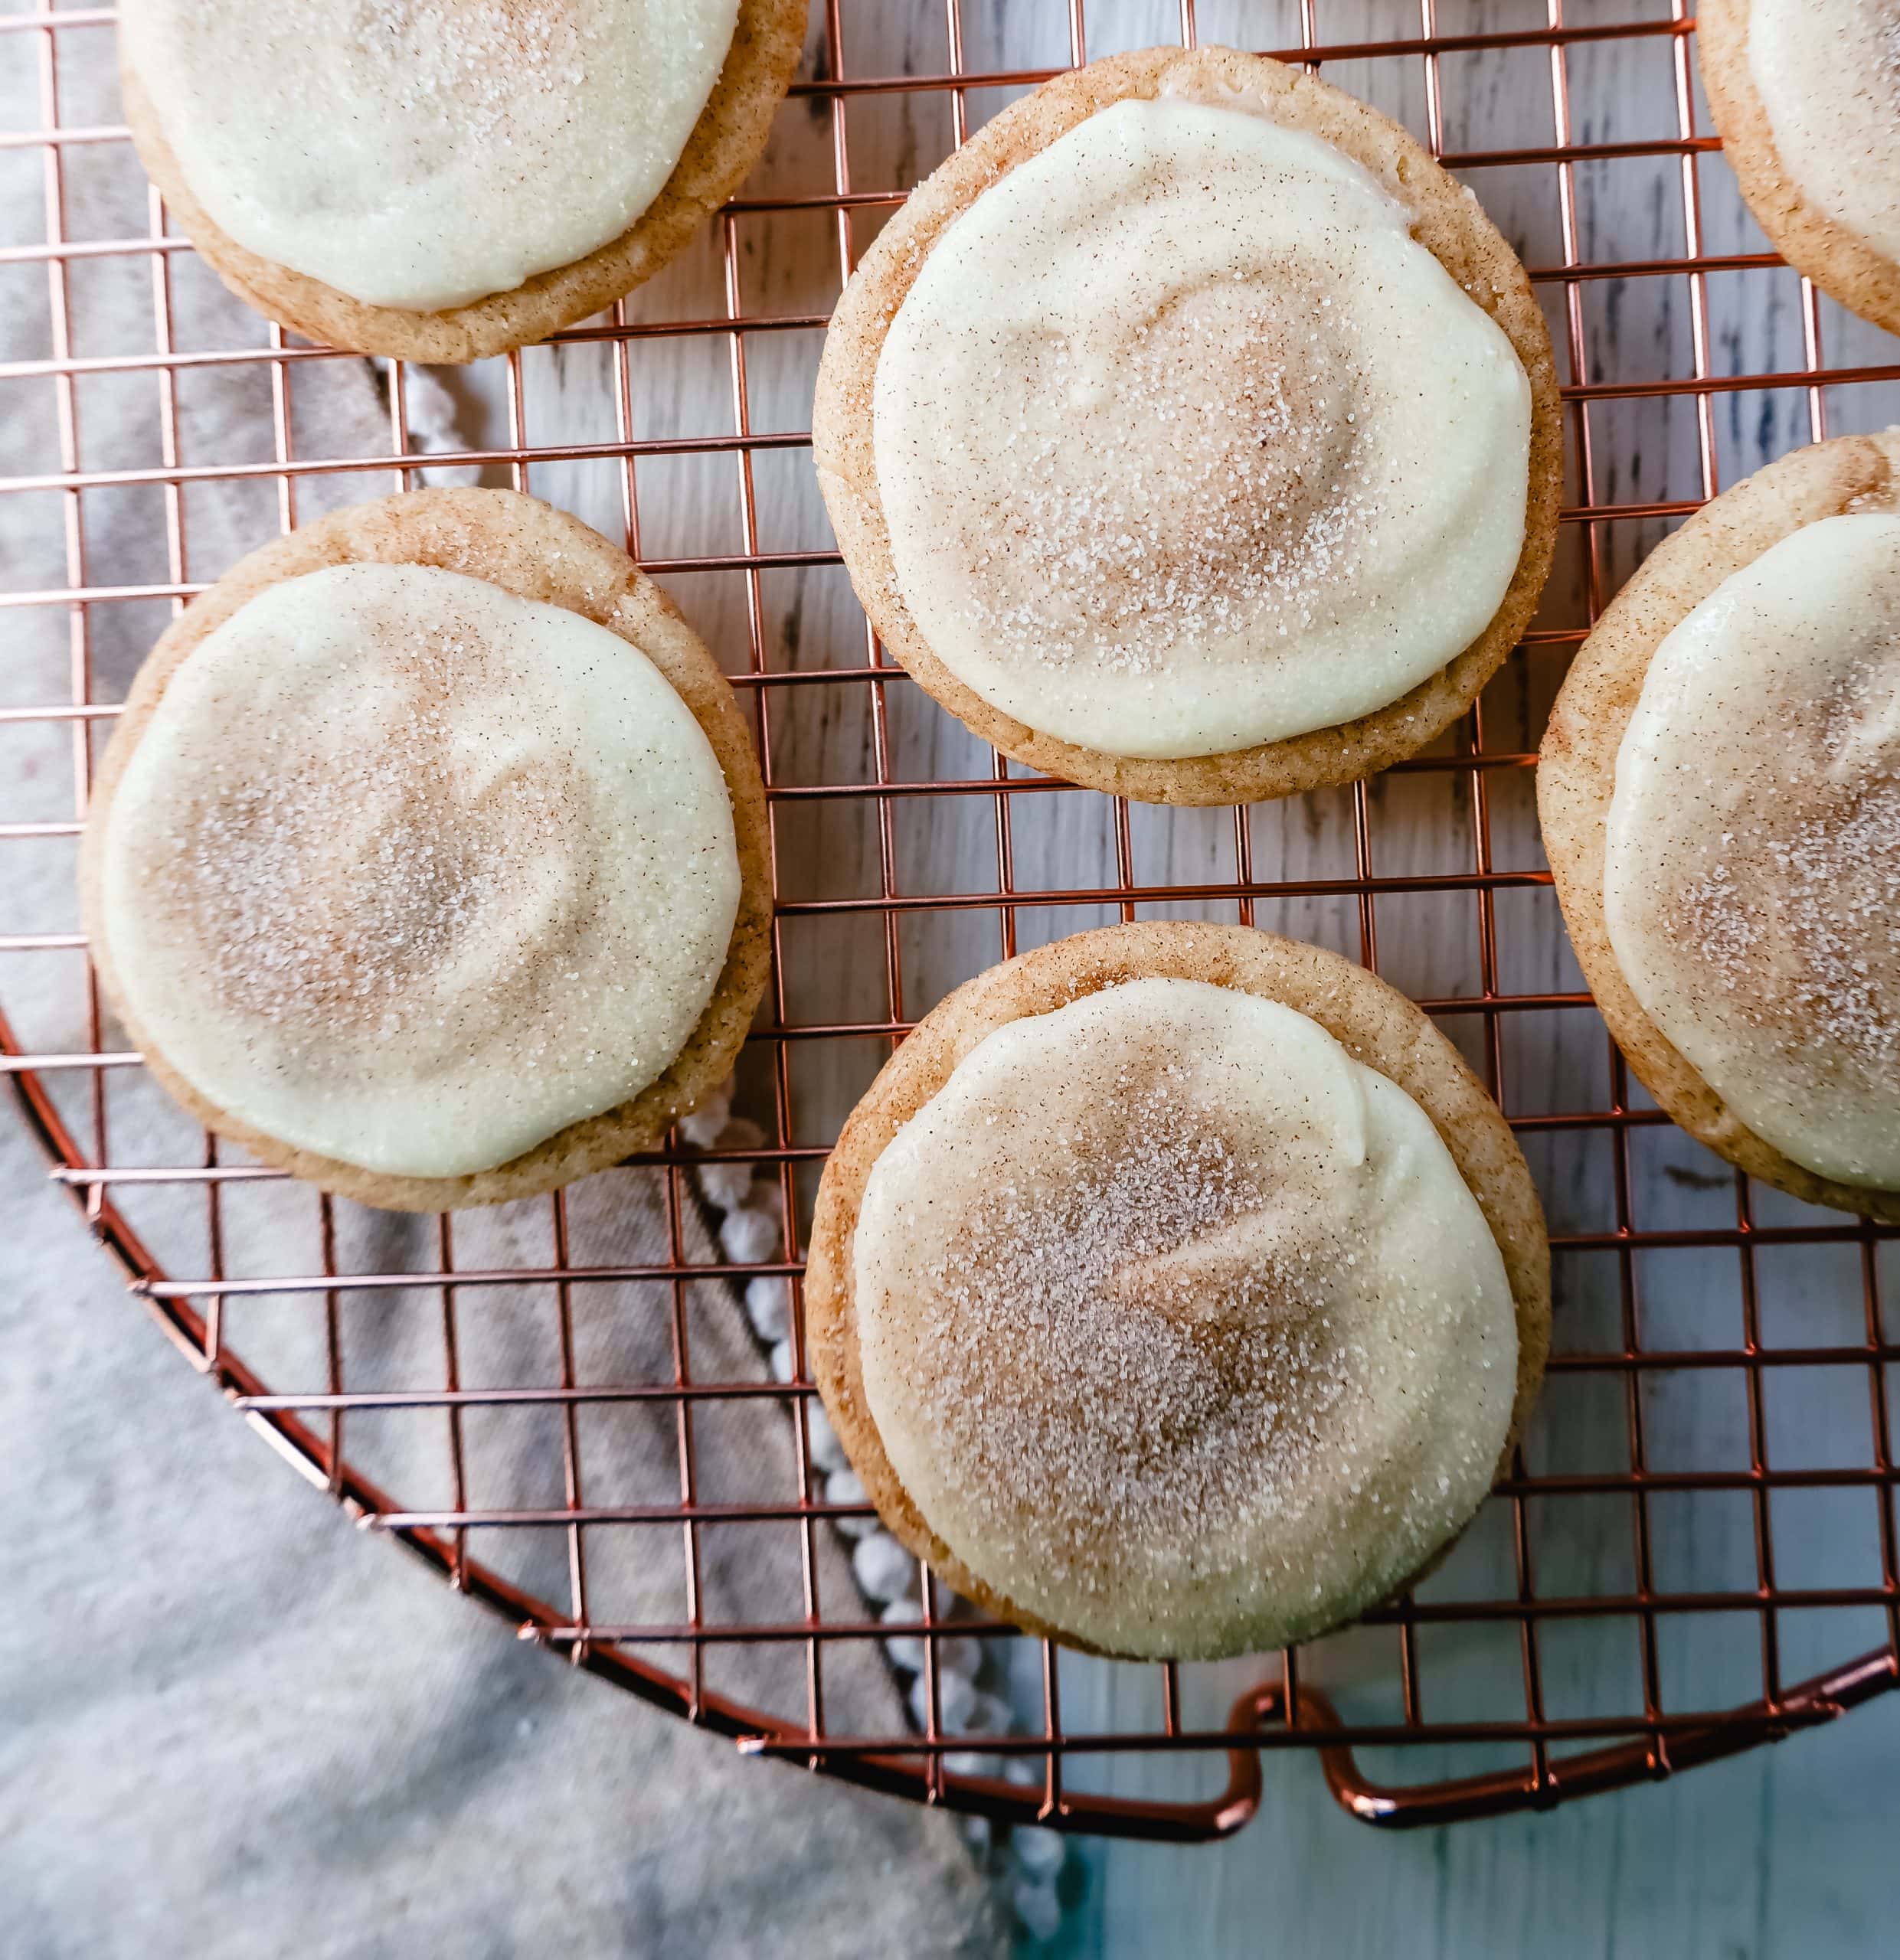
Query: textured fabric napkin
x=230, y=1725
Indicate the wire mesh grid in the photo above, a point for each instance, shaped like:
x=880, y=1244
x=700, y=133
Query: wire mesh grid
x=1695, y=1551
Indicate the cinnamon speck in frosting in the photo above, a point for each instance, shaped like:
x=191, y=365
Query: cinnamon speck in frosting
x=1227, y=492
x=423, y=155
x=1797, y=914
x=329, y=887
x=1200, y=1371
x=474, y=62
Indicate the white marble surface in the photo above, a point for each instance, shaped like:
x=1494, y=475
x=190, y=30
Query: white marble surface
x=1781, y=1852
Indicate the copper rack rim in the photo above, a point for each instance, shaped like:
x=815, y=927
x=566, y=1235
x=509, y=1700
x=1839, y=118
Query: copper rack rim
x=1656, y=1749
x=1383, y=1735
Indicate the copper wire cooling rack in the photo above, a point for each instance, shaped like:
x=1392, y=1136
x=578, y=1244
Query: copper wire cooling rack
x=1695, y=1551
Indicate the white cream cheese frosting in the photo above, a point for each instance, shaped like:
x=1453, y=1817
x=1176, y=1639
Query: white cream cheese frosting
x=1170, y=1313
x=423, y=153
x=1828, y=73
x=414, y=873
x=1752, y=856
x=1185, y=444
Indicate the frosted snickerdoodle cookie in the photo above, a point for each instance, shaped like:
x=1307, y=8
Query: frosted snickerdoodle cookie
x=1190, y=434
x=1806, y=96
x=1720, y=792
x=427, y=861
x=443, y=179
x=1176, y=1290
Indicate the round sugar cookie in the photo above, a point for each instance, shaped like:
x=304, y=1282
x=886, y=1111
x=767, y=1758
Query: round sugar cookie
x=1806, y=97
x=1116, y=508
x=427, y=861
x=507, y=94
x=1719, y=791
x=1176, y=1291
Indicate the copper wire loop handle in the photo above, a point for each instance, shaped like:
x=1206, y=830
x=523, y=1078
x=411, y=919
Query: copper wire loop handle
x=1504, y=1723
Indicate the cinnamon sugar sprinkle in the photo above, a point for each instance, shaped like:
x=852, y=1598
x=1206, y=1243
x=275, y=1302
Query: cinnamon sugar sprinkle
x=332, y=890
x=1797, y=919
x=474, y=59
x=1155, y=1354
x=1226, y=495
